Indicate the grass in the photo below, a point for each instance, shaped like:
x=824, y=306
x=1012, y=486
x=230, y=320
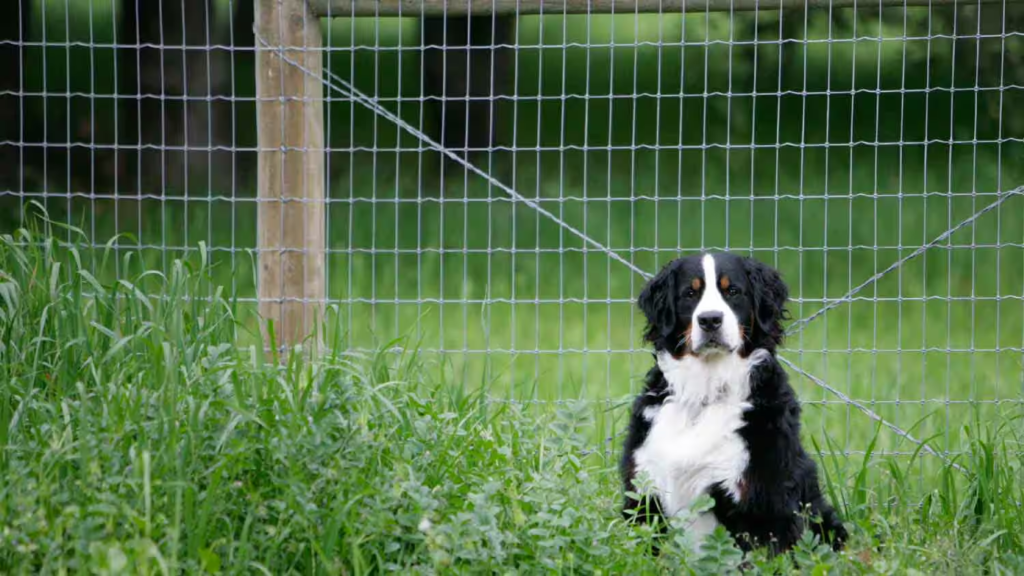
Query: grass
x=138, y=436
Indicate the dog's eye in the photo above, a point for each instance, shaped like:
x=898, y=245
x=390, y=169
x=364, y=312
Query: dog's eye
x=690, y=293
x=733, y=291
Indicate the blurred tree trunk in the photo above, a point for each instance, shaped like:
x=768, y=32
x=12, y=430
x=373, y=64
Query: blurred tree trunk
x=987, y=57
x=459, y=66
x=14, y=28
x=235, y=121
x=165, y=71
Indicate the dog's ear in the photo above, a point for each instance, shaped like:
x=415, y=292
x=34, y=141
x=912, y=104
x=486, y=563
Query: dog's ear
x=658, y=303
x=770, y=294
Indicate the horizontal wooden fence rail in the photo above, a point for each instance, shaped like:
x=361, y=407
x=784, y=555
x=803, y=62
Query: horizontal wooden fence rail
x=412, y=8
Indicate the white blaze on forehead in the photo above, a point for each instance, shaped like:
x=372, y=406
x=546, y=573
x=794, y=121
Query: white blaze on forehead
x=711, y=294
x=712, y=301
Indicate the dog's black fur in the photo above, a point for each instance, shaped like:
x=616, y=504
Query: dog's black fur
x=781, y=481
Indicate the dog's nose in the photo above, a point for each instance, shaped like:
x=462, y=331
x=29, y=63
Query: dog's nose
x=710, y=321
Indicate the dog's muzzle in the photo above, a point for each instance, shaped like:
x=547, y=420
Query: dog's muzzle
x=710, y=324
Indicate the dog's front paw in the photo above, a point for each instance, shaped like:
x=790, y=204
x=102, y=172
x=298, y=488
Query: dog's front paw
x=759, y=356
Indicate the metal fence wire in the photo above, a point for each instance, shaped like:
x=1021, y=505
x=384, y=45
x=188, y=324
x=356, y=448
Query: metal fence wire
x=498, y=187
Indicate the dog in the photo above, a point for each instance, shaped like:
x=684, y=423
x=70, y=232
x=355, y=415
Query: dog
x=718, y=415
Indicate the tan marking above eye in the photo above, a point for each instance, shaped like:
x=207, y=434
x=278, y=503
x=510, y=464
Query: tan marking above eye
x=696, y=284
x=724, y=282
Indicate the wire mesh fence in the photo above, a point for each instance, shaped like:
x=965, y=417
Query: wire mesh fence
x=497, y=187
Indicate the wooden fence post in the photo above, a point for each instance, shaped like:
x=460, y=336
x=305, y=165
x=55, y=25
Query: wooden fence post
x=291, y=209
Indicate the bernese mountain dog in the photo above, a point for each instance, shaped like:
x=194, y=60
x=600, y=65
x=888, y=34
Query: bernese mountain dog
x=718, y=415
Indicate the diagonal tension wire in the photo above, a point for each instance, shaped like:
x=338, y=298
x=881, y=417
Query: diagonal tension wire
x=871, y=413
x=348, y=90
x=799, y=325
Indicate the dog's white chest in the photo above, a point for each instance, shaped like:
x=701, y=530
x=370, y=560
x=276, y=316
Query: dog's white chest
x=694, y=440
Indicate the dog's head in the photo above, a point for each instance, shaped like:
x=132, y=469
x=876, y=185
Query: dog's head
x=714, y=303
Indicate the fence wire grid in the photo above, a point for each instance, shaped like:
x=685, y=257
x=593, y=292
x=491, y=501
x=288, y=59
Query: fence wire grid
x=498, y=188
